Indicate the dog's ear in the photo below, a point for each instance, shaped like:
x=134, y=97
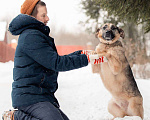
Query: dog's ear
x=121, y=32
x=96, y=33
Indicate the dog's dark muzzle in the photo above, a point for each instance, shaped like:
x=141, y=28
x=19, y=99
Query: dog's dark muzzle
x=108, y=35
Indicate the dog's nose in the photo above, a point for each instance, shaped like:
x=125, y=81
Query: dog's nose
x=108, y=31
x=108, y=35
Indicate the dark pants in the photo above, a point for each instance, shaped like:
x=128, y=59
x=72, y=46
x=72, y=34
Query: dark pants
x=40, y=111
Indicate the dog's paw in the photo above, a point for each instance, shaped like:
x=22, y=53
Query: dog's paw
x=93, y=53
x=102, y=54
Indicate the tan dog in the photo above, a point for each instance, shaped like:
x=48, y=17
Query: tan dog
x=116, y=74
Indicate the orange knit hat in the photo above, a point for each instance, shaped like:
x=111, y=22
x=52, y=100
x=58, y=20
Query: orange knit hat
x=28, y=6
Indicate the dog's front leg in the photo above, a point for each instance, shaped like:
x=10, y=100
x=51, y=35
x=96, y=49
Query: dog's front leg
x=114, y=64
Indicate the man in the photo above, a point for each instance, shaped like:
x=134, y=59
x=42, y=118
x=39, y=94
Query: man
x=36, y=66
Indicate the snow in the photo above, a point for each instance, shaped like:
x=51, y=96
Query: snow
x=129, y=118
x=81, y=94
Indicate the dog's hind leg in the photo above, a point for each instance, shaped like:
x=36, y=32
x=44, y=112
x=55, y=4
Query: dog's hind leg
x=136, y=108
x=115, y=110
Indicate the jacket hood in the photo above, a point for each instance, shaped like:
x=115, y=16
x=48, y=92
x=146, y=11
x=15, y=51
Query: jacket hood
x=23, y=22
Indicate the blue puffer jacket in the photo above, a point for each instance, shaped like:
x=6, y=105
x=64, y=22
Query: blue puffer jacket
x=37, y=63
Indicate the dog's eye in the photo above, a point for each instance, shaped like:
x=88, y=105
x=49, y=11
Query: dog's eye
x=105, y=27
x=113, y=27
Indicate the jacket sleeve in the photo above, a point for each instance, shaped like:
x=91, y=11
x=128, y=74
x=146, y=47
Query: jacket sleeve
x=36, y=47
x=76, y=52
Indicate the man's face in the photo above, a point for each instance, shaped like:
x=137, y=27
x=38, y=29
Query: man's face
x=42, y=14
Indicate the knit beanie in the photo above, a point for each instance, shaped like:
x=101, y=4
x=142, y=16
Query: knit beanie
x=28, y=6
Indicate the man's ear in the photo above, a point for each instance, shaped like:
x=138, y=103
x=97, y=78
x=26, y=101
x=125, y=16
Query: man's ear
x=121, y=32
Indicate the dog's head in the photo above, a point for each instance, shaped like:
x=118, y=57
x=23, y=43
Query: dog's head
x=109, y=33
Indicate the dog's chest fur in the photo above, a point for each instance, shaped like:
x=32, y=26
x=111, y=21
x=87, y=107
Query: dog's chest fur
x=106, y=47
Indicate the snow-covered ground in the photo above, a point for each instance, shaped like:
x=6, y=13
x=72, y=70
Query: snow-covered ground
x=81, y=94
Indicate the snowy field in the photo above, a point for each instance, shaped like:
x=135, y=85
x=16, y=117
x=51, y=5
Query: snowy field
x=81, y=94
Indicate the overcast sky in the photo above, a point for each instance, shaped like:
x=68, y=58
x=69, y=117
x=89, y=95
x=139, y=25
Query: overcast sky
x=63, y=14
